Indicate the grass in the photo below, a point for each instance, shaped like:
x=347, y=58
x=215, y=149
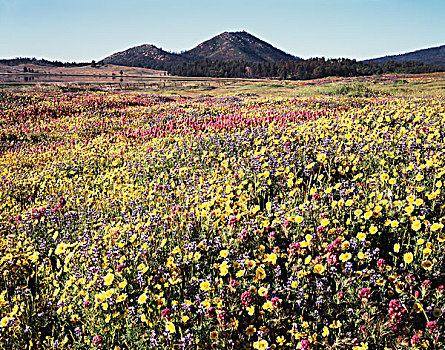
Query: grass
x=394, y=85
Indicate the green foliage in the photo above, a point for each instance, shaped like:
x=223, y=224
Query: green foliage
x=313, y=68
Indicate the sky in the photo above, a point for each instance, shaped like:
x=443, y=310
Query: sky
x=86, y=30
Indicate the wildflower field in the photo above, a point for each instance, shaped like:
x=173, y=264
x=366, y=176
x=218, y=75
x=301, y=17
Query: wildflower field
x=132, y=221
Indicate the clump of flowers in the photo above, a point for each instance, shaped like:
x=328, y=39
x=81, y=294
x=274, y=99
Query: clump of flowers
x=130, y=220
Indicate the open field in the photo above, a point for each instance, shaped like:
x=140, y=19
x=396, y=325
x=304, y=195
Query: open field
x=108, y=69
x=156, y=82
x=223, y=214
x=37, y=74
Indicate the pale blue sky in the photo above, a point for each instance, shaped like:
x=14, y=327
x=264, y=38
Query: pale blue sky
x=83, y=30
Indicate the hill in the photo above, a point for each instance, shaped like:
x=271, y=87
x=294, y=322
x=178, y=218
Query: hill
x=146, y=55
x=237, y=46
x=227, y=46
x=434, y=56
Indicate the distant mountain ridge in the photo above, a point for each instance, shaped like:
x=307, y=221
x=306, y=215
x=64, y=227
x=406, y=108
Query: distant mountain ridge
x=227, y=46
x=434, y=56
x=240, y=54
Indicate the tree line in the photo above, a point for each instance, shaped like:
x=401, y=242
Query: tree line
x=313, y=68
x=41, y=62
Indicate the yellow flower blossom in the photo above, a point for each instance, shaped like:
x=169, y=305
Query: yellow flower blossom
x=408, y=258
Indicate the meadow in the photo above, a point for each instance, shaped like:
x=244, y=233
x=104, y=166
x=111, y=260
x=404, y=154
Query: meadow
x=130, y=220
